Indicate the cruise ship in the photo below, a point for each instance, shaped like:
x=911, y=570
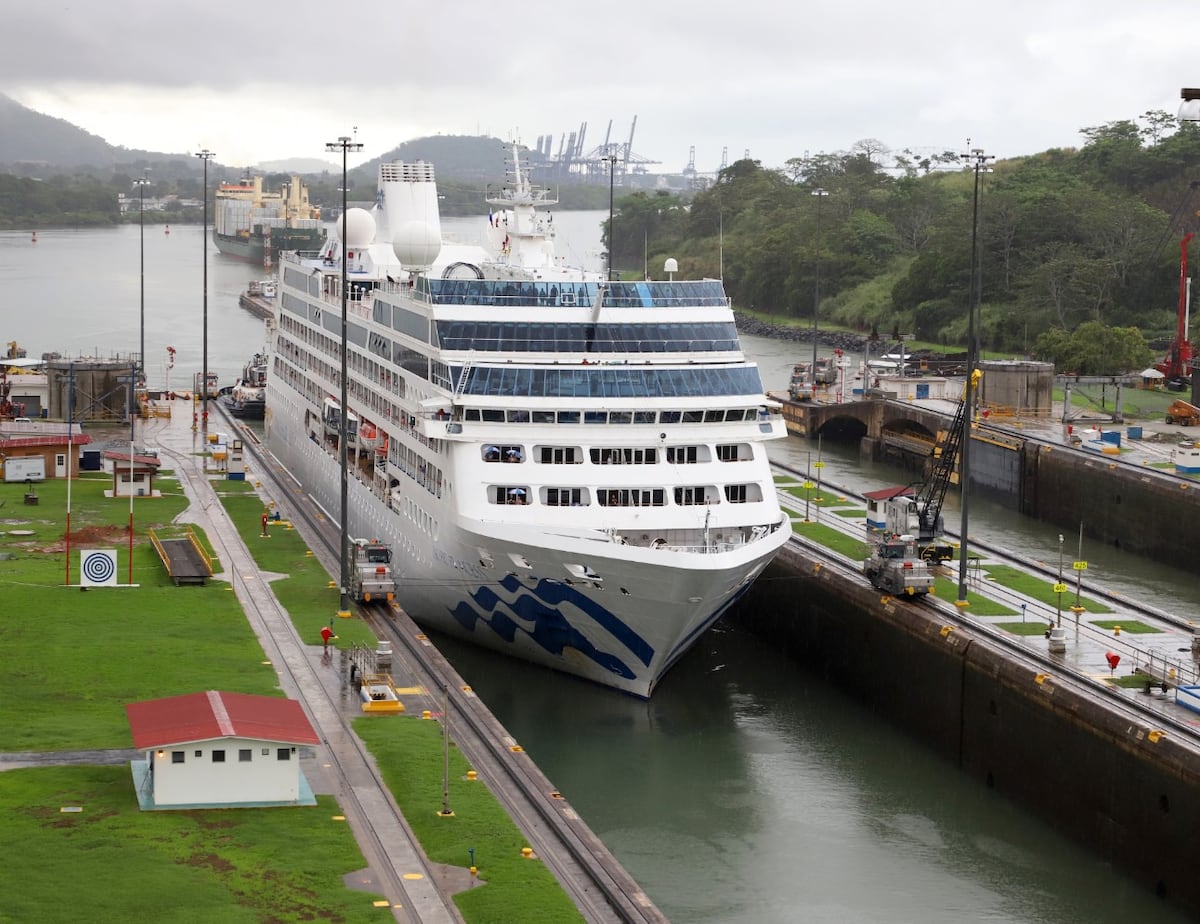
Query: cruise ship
x=569, y=470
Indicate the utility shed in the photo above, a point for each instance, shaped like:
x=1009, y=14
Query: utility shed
x=46, y=441
x=132, y=479
x=219, y=750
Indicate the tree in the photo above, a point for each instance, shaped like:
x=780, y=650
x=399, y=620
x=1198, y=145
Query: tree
x=1094, y=349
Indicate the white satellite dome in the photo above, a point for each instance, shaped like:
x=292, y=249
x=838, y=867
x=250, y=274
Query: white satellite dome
x=360, y=228
x=415, y=244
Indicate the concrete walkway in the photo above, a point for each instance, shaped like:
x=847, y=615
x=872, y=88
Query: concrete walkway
x=343, y=768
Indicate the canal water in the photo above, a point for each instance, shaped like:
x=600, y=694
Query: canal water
x=746, y=790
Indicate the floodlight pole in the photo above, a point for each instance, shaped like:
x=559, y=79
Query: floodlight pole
x=344, y=144
x=141, y=184
x=612, y=169
x=206, y=155
x=820, y=194
x=977, y=160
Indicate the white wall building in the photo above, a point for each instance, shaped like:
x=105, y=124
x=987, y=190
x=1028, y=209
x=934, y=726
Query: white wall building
x=218, y=749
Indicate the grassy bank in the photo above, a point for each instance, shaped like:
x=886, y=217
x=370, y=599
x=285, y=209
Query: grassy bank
x=75, y=658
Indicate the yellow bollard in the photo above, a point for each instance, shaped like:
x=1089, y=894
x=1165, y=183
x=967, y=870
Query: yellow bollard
x=1116, y=630
x=471, y=775
x=527, y=852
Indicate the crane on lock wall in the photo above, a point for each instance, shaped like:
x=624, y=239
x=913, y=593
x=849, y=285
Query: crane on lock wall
x=1176, y=365
x=921, y=515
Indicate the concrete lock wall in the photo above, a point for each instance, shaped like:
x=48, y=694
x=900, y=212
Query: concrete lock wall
x=1132, y=509
x=1089, y=772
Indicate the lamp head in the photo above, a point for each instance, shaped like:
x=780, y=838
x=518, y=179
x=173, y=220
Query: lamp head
x=1189, y=109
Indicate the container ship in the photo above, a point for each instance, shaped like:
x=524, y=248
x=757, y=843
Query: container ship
x=257, y=225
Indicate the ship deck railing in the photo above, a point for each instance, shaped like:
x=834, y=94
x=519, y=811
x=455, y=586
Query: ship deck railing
x=492, y=293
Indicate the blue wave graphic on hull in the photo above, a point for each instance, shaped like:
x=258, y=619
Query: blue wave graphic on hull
x=551, y=630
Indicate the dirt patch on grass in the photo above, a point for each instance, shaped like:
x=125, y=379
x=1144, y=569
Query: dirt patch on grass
x=88, y=535
x=211, y=861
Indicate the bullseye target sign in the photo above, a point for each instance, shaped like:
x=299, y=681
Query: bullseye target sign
x=98, y=568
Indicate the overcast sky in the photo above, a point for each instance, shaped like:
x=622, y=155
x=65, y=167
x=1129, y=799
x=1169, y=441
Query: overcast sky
x=264, y=80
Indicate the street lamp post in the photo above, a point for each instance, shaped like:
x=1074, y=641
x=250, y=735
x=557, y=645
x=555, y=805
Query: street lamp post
x=141, y=184
x=205, y=155
x=1059, y=586
x=344, y=144
x=977, y=160
x=820, y=194
x=612, y=169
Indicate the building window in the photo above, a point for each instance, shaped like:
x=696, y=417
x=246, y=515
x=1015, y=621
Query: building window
x=678, y=455
x=266, y=752
x=564, y=497
x=177, y=757
x=199, y=753
x=218, y=757
x=623, y=455
x=690, y=495
x=243, y=755
x=283, y=754
x=559, y=455
x=503, y=454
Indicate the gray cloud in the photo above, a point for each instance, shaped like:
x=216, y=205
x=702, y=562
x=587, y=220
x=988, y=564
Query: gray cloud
x=273, y=79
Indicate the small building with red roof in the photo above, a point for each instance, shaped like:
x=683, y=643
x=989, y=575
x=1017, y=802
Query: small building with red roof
x=220, y=750
x=877, y=504
x=132, y=479
x=55, y=444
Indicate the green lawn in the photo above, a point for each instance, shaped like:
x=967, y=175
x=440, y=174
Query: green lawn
x=112, y=862
x=1125, y=625
x=1040, y=588
x=1136, y=403
x=978, y=605
x=834, y=539
x=1030, y=627
x=823, y=497
x=73, y=659
x=409, y=752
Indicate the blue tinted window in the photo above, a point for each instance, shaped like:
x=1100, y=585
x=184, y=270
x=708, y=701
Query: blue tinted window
x=608, y=382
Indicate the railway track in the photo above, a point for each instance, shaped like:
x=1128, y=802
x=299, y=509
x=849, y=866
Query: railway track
x=346, y=755
x=601, y=889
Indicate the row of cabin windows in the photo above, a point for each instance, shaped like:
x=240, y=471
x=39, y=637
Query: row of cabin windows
x=684, y=496
x=619, y=455
x=495, y=415
x=244, y=755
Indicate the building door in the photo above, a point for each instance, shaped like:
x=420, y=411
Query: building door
x=60, y=465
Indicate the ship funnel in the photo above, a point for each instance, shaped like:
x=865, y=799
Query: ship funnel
x=409, y=200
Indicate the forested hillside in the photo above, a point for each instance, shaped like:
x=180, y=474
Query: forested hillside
x=1064, y=237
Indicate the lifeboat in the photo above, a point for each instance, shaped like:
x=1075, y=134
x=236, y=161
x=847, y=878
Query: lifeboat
x=368, y=435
